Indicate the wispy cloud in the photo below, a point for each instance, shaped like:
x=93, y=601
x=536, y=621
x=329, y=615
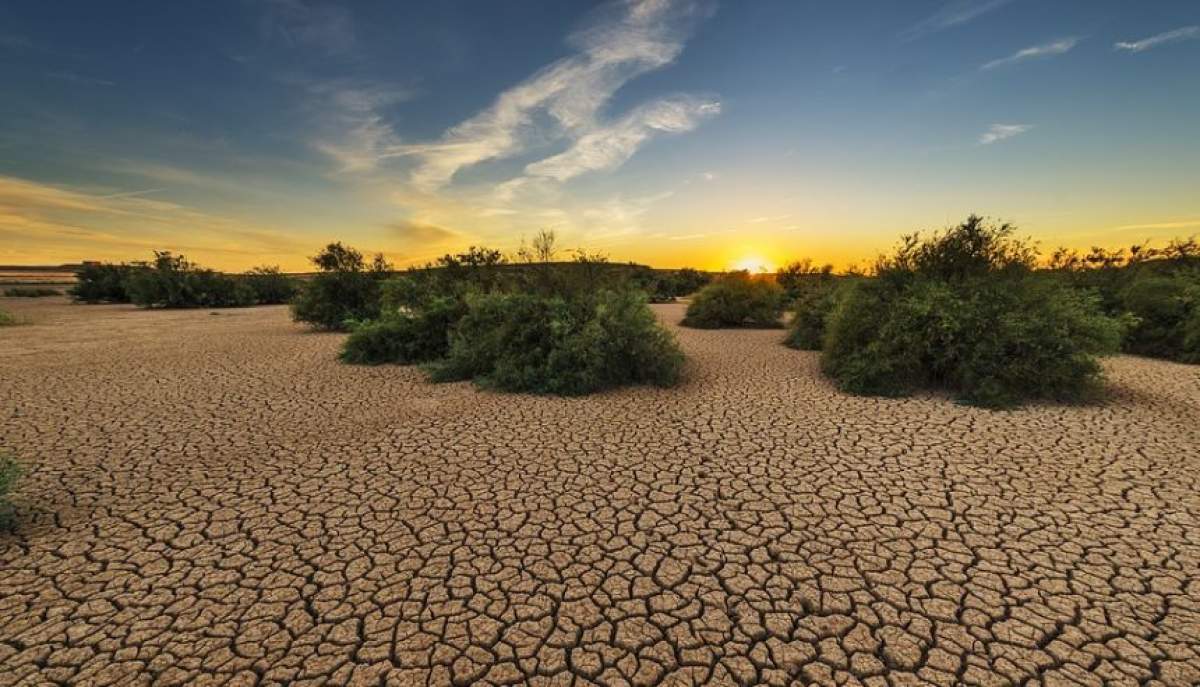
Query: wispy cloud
x=1182, y=34
x=999, y=132
x=1058, y=47
x=323, y=26
x=1185, y=224
x=609, y=146
x=355, y=130
x=74, y=78
x=951, y=14
x=630, y=39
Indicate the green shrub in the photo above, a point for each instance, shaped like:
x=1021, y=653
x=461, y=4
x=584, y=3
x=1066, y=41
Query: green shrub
x=270, y=286
x=171, y=281
x=7, y=319
x=547, y=344
x=30, y=292
x=800, y=276
x=811, y=306
x=1165, y=308
x=404, y=338
x=736, y=300
x=10, y=472
x=102, y=283
x=346, y=289
x=963, y=311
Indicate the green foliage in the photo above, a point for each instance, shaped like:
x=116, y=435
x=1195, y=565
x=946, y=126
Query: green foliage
x=811, y=305
x=10, y=472
x=404, y=338
x=171, y=281
x=7, y=319
x=1166, y=309
x=548, y=344
x=963, y=311
x=270, y=286
x=737, y=299
x=102, y=282
x=799, y=276
x=30, y=292
x=345, y=290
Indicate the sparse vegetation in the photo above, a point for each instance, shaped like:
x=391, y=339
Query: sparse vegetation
x=172, y=281
x=7, y=319
x=30, y=292
x=737, y=299
x=270, y=286
x=344, y=292
x=964, y=311
x=10, y=472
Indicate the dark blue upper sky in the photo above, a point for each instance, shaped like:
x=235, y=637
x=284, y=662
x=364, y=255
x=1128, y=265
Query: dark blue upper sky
x=661, y=130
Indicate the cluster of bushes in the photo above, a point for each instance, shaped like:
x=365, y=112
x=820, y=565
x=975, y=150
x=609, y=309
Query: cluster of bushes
x=10, y=472
x=30, y=292
x=563, y=328
x=964, y=311
x=171, y=281
x=1158, y=289
x=737, y=299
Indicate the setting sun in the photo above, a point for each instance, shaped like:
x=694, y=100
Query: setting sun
x=753, y=264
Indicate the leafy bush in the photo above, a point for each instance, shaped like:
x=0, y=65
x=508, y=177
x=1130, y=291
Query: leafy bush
x=799, y=276
x=7, y=319
x=548, y=344
x=736, y=300
x=171, y=281
x=404, y=338
x=963, y=311
x=346, y=289
x=30, y=292
x=1166, y=309
x=811, y=306
x=102, y=283
x=10, y=472
x=270, y=286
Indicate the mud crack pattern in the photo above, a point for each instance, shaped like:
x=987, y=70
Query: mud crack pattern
x=216, y=500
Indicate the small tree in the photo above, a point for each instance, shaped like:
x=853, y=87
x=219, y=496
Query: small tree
x=344, y=291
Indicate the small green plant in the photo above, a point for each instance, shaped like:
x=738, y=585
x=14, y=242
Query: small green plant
x=963, y=311
x=407, y=337
x=10, y=472
x=345, y=291
x=31, y=292
x=7, y=319
x=528, y=342
x=737, y=299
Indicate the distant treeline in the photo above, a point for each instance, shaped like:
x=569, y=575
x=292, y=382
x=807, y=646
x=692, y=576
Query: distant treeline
x=171, y=281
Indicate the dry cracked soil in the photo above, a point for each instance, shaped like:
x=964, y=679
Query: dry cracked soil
x=214, y=499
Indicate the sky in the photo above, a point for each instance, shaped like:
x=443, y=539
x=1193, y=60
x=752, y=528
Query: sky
x=669, y=132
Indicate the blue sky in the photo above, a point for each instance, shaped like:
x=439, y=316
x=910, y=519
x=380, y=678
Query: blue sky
x=664, y=131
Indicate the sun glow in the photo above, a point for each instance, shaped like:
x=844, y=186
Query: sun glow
x=753, y=264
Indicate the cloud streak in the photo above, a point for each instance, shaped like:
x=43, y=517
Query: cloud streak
x=1000, y=132
x=1058, y=47
x=1182, y=34
x=631, y=39
x=952, y=14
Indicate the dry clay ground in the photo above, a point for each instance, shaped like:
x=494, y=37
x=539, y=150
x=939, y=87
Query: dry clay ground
x=217, y=500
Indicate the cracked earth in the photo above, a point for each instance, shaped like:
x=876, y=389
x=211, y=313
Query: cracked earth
x=214, y=499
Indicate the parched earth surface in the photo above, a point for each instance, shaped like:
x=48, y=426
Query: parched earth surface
x=214, y=499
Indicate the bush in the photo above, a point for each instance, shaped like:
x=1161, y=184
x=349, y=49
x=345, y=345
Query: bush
x=30, y=292
x=7, y=319
x=736, y=300
x=102, y=283
x=1166, y=308
x=171, y=281
x=963, y=311
x=10, y=472
x=548, y=344
x=811, y=307
x=800, y=276
x=404, y=338
x=270, y=286
x=345, y=291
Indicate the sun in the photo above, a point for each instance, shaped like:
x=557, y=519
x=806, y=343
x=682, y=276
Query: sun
x=754, y=264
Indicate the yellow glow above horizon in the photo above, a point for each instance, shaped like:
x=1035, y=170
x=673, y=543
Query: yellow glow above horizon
x=753, y=264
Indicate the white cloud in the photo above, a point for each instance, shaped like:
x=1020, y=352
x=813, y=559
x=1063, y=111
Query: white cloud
x=1051, y=49
x=951, y=14
x=325, y=27
x=1183, y=34
x=354, y=131
x=609, y=146
x=999, y=132
x=637, y=36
